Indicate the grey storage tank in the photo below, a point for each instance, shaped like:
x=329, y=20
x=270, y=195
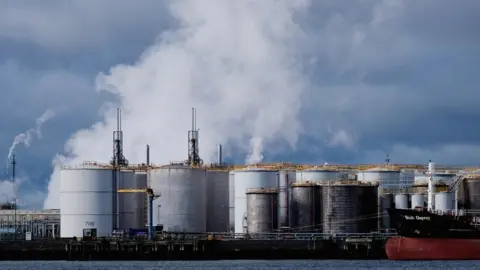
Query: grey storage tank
x=262, y=210
x=132, y=205
x=306, y=207
x=342, y=207
x=469, y=194
x=368, y=203
x=182, y=206
x=217, y=201
x=386, y=202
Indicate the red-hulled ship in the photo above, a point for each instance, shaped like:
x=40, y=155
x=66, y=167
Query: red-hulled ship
x=427, y=236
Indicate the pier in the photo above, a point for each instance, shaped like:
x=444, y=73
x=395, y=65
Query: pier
x=202, y=247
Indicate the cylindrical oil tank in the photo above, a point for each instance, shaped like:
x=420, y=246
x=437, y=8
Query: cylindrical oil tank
x=231, y=201
x=182, y=205
x=386, y=177
x=444, y=201
x=341, y=208
x=407, y=178
x=306, y=207
x=86, y=201
x=285, y=179
x=262, y=210
x=368, y=203
x=401, y=201
x=386, y=202
x=420, y=187
x=249, y=178
x=132, y=205
x=217, y=201
x=418, y=200
x=318, y=174
x=469, y=194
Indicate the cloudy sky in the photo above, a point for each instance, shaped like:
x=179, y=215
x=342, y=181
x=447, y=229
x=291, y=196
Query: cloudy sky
x=307, y=81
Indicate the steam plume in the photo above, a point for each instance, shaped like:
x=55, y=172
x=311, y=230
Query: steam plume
x=235, y=61
x=26, y=137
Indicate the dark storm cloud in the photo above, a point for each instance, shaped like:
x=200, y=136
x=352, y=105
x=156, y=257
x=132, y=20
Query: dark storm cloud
x=50, y=53
x=400, y=73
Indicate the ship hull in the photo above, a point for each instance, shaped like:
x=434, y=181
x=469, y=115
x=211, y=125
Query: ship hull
x=410, y=248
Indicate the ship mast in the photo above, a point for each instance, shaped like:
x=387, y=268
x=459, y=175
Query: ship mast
x=431, y=186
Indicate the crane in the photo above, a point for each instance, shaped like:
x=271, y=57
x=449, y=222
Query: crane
x=151, y=197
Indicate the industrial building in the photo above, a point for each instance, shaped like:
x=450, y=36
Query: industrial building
x=233, y=199
x=22, y=224
x=192, y=197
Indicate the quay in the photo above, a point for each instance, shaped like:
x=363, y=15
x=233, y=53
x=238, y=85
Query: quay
x=201, y=247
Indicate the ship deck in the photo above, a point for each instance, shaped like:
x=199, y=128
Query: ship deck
x=304, y=246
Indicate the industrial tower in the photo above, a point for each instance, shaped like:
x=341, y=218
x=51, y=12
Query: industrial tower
x=118, y=161
x=193, y=152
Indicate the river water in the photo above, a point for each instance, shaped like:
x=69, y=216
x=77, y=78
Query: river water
x=243, y=265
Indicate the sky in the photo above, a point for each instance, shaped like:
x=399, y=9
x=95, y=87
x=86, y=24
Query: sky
x=275, y=80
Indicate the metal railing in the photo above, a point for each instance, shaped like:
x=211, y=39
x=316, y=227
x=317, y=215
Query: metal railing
x=185, y=237
x=279, y=166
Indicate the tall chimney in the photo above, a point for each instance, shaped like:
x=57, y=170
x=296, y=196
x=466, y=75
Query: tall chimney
x=219, y=153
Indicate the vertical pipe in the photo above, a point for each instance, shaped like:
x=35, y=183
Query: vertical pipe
x=193, y=119
x=148, y=155
x=150, y=216
x=15, y=198
x=287, y=196
x=117, y=198
x=379, y=209
x=219, y=161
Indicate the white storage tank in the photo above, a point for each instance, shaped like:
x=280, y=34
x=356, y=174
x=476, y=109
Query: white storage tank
x=418, y=200
x=217, y=201
x=132, y=205
x=245, y=179
x=86, y=200
x=319, y=174
x=401, y=201
x=182, y=205
x=386, y=177
x=444, y=201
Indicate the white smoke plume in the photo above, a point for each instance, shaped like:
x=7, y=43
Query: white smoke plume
x=26, y=137
x=236, y=62
x=9, y=189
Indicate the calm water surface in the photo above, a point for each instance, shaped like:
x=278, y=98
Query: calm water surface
x=244, y=265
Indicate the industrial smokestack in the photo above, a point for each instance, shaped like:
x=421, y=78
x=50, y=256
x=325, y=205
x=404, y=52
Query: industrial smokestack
x=219, y=153
x=148, y=155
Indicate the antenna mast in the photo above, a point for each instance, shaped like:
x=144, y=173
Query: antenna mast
x=431, y=186
x=193, y=152
x=118, y=159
